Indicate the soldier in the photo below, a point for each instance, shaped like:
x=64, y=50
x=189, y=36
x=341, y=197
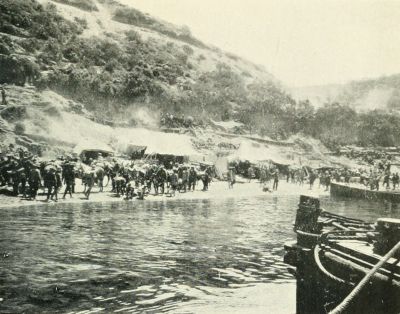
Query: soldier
x=58, y=184
x=18, y=176
x=185, y=179
x=250, y=173
x=69, y=179
x=149, y=178
x=90, y=182
x=192, y=178
x=312, y=178
x=395, y=180
x=130, y=190
x=276, y=180
x=161, y=176
x=50, y=182
x=173, y=179
x=3, y=96
x=22, y=174
x=327, y=180
x=231, y=177
x=35, y=180
x=386, y=180
x=205, y=178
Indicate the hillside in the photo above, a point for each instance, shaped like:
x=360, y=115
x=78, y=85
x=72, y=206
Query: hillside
x=80, y=72
x=113, y=58
x=362, y=95
x=117, y=67
x=50, y=125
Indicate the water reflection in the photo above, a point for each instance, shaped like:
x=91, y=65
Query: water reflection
x=361, y=209
x=143, y=255
x=153, y=256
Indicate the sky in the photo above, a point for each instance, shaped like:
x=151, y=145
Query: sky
x=301, y=42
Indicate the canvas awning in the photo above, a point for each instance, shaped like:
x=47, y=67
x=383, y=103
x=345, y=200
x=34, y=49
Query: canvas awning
x=92, y=145
x=135, y=149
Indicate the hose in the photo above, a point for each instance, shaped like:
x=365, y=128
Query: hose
x=346, y=302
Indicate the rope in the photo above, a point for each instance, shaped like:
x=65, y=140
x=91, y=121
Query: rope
x=346, y=302
x=322, y=268
x=325, y=213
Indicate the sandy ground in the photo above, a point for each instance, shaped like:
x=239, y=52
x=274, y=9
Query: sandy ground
x=217, y=190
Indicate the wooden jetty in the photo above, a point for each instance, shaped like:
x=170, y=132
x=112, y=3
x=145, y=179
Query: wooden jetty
x=344, y=190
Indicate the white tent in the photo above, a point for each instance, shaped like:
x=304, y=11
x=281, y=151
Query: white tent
x=159, y=142
x=255, y=152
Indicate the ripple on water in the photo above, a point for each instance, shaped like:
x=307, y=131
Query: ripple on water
x=153, y=257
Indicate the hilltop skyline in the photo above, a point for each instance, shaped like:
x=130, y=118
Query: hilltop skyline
x=302, y=43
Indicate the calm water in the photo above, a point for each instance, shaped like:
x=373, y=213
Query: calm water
x=147, y=256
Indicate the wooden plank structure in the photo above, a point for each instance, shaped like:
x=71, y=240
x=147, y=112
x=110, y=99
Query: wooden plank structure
x=333, y=253
x=343, y=190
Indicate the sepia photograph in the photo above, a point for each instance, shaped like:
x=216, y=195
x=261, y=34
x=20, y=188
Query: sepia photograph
x=200, y=156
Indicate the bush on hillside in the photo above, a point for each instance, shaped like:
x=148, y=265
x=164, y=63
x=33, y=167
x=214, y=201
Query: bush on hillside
x=29, y=18
x=82, y=22
x=19, y=128
x=134, y=36
x=135, y=17
x=188, y=50
x=17, y=70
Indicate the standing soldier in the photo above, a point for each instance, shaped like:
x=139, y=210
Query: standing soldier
x=312, y=178
x=386, y=180
x=90, y=182
x=58, y=184
x=327, y=180
x=173, y=179
x=209, y=174
x=22, y=174
x=276, y=180
x=185, y=179
x=35, y=180
x=205, y=178
x=231, y=177
x=14, y=175
x=395, y=180
x=50, y=182
x=161, y=179
x=250, y=173
x=3, y=96
x=192, y=178
x=69, y=178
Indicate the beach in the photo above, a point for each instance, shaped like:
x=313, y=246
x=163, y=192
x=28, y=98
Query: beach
x=217, y=190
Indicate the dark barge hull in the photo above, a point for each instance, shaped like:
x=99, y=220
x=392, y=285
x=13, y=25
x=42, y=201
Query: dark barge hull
x=327, y=270
x=343, y=190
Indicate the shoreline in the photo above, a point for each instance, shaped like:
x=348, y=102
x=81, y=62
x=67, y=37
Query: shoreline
x=217, y=190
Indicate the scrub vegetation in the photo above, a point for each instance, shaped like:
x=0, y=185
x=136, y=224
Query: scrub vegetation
x=111, y=73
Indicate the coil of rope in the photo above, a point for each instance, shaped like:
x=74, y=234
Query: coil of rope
x=357, y=289
x=322, y=268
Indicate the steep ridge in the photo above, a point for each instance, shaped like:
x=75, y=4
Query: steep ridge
x=117, y=62
x=102, y=53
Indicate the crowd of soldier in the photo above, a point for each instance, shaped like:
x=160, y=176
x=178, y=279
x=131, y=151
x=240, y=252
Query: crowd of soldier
x=25, y=174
